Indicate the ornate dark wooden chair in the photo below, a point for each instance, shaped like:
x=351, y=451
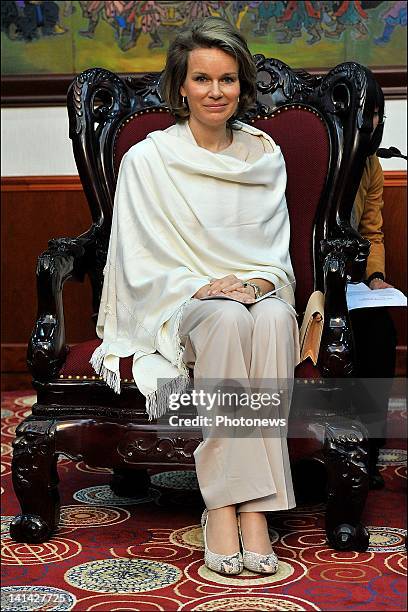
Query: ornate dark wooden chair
x=323, y=126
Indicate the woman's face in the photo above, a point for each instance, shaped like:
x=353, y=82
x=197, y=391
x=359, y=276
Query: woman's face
x=211, y=86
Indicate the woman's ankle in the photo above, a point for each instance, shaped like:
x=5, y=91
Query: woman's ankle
x=254, y=528
x=222, y=532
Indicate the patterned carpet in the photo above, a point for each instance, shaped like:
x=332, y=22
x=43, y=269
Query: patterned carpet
x=111, y=553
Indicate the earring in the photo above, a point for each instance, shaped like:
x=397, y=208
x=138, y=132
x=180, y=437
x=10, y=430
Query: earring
x=238, y=99
x=184, y=101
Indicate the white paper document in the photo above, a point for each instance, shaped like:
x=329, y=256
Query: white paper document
x=361, y=296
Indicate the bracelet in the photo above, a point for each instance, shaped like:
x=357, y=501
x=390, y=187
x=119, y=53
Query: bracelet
x=374, y=275
x=255, y=287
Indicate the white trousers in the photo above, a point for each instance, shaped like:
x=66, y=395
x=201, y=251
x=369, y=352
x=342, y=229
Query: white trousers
x=224, y=339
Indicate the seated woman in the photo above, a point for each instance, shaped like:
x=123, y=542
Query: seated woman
x=200, y=211
x=373, y=329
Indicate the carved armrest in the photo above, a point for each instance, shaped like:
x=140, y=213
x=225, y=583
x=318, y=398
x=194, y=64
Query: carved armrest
x=337, y=355
x=357, y=252
x=65, y=259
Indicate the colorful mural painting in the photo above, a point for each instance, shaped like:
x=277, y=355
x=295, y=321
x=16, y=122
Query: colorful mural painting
x=66, y=37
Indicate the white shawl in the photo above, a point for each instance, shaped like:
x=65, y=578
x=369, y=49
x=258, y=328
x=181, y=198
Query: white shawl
x=183, y=215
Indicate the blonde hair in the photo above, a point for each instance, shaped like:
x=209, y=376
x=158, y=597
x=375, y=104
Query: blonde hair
x=208, y=32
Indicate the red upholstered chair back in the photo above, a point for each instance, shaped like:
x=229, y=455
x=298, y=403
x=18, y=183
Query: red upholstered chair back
x=303, y=138
x=136, y=128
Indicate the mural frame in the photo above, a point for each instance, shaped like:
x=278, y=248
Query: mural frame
x=51, y=90
x=297, y=23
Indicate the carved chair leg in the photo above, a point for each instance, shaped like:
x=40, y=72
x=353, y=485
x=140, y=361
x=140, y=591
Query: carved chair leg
x=346, y=460
x=128, y=482
x=35, y=481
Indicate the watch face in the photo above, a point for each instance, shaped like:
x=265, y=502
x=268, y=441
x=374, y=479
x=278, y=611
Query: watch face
x=257, y=290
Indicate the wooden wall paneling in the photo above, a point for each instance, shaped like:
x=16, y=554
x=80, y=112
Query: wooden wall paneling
x=16, y=381
x=395, y=229
x=29, y=219
x=395, y=238
x=36, y=209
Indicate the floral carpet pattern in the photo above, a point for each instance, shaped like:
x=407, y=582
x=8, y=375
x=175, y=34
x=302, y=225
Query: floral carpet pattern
x=119, y=553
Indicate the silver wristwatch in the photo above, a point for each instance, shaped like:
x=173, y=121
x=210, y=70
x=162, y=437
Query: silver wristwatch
x=255, y=287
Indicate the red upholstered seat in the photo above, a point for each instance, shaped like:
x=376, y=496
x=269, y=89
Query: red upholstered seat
x=77, y=362
x=306, y=369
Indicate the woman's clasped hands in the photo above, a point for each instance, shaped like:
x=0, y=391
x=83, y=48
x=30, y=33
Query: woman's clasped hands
x=229, y=286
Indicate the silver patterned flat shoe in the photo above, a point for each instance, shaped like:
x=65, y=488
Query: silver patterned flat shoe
x=224, y=564
x=255, y=562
